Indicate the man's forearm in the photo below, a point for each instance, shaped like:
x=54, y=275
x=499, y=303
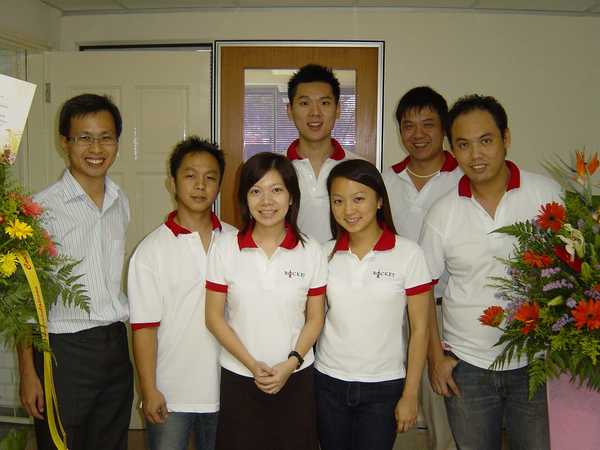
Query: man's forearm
x=144, y=353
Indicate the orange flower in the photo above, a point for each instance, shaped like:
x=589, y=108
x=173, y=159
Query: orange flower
x=552, y=216
x=528, y=313
x=583, y=169
x=536, y=260
x=593, y=164
x=587, y=314
x=492, y=316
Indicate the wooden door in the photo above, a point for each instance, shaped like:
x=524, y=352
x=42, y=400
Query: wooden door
x=233, y=60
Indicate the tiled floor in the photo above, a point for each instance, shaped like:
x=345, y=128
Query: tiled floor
x=413, y=440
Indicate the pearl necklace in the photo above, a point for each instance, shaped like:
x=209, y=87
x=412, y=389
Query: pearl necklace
x=416, y=175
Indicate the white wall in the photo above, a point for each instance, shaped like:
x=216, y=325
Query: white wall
x=30, y=20
x=544, y=69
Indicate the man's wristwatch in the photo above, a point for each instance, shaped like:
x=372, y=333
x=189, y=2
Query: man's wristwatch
x=296, y=355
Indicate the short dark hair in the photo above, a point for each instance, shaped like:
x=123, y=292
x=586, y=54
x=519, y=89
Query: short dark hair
x=84, y=104
x=253, y=170
x=195, y=144
x=363, y=172
x=311, y=73
x=474, y=102
x=422, y=97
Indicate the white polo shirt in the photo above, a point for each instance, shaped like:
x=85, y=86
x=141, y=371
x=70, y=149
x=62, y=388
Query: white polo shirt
x=362, y=339
x=457, y=235
x=313, y=218
x=266, y=297
x=166, y=290
x=409, y=205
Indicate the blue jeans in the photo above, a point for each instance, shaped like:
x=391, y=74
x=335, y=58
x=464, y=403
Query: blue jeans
x=356, y=415
x=488, y=398
x=174, y=433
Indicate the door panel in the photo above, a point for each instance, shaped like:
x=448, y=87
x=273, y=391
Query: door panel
x=234, y=60
x=159, y=106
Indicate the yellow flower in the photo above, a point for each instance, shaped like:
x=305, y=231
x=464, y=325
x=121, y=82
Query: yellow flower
x=8, y=264
x=19, y=230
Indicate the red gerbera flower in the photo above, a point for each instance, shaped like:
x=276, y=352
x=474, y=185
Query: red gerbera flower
x=572, y=261
x=492, y=316
x=587, y=314
x=30, y=208
x=552, y=216
x=529, y=314
x=536, y=260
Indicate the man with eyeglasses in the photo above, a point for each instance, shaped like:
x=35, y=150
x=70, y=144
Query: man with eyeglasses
x=87, y=214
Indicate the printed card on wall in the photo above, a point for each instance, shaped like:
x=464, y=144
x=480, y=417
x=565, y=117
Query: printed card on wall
x=15, y=101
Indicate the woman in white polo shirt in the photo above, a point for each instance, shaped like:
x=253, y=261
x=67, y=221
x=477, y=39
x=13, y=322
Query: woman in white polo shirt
x=265, y=305
x=364, y=393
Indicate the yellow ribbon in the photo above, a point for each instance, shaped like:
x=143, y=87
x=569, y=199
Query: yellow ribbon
x=59, y=437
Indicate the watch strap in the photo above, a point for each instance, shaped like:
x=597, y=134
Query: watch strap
x=296, y=355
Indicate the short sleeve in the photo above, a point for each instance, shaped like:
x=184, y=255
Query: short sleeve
x=418, y=277
x=318, y=281
x=433, y=250
x=215, y=268
x=145, y=298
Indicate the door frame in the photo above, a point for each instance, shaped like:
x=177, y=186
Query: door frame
x=219, y=45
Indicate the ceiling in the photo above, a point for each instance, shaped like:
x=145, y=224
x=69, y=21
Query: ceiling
x=579, y=7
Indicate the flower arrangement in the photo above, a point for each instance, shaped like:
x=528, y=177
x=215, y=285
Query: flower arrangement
x=552, y=292
x=23, y=238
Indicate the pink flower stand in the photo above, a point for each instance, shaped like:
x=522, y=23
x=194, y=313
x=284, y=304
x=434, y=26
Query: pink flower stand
x=574, y=415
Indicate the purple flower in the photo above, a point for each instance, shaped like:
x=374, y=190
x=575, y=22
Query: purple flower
x=547, y=273
x=558, y=284
x=571, y=303
x=593, y=293
x=560, y=323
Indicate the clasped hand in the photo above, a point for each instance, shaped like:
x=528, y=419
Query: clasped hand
x=271, y=380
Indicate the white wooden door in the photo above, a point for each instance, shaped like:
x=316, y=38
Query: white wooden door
x=163, y=97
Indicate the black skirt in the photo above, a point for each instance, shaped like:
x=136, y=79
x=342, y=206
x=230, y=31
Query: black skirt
x=249, y=419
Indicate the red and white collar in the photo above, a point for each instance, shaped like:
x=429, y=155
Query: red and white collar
x=386, y=241
x=449, y=163
x=514, y=180
x=245, y=239
x=177, y=229
x=337, y=155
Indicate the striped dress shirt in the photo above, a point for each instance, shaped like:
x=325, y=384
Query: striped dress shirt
x=97, y=238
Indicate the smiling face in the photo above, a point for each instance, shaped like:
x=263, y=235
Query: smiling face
x=314, y=111
x=354, y=205
x=90, y=163
x=480, y=148
x=269, y=200
x=422, y=133
x=197, y=181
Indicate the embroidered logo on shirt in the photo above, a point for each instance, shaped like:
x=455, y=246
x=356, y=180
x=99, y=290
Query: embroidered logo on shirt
x=293, y=274
x=384, y=274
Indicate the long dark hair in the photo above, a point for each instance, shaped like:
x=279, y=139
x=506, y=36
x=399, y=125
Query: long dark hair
x=362, y=172
x=256, y=168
